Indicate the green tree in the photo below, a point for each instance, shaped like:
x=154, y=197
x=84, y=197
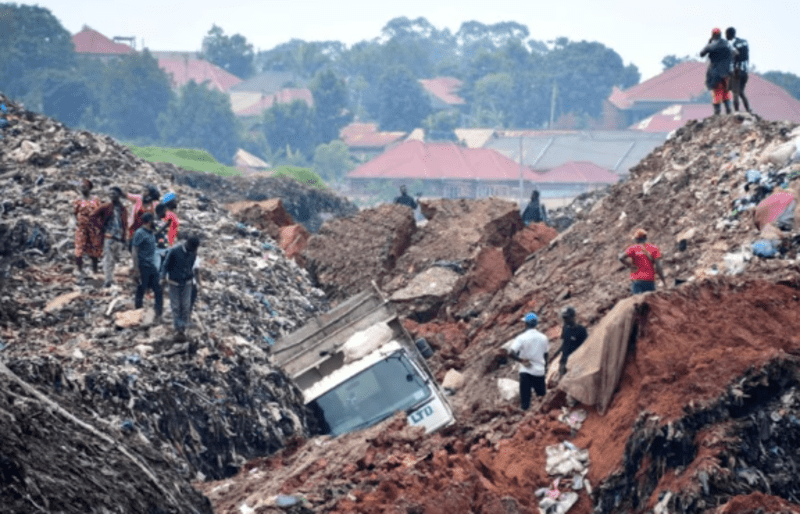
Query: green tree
x=34, y=48
x=492, y=101
x=231, y=53
x=303, y=59
x=788, y=81
x=440, y=126
x=201, y=118
x=133, y=93
x=332, y=161
x=330, y=105
x=289, y=128
x=403, y=102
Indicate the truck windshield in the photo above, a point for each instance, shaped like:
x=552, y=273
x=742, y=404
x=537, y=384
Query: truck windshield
x=376, y=393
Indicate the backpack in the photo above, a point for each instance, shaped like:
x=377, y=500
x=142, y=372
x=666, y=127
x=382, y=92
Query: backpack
x=743, y=48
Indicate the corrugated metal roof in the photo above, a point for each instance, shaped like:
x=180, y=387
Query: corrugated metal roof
x=430, y=161
x=183, y=71
x=89, y=41
x=579, y=173
x=617, y=151
x=246, y=159
x=474, y=137
x=673, y=117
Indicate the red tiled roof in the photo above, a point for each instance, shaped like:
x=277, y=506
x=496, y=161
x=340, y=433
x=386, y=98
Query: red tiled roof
x=429, y=161
x=685, y=82
x=444, y=88
x=185, y=70
x=673, y=117
x=366, y=135
x=579, y=172
x=89, y=41
x=284, y=96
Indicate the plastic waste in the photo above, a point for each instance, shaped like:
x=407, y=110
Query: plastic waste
x=753, y=176
x=765, y=248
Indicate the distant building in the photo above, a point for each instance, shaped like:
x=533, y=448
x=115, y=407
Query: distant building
x=246, y=104
x=248, y=163
x=574, y=178
x=365, y=142
x=183, y=70
x=443, y=92
x=91, y=43
x=684, y=84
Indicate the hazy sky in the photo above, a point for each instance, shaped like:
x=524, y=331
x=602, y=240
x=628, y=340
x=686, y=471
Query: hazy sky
x=642, y=31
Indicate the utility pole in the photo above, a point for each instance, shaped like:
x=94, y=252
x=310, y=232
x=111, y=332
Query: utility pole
x=553, y=104
x=521, y=180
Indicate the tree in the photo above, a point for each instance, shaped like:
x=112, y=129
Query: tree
x=303, y=59
x=133, y=93
x=492, y=100
x=330, y=105
x=788, y=81
x=34, y=47
x=441, y=126
x=403, y=102
x=672, y=60
x=231, y=53
x=289, y=128
x=201, y=118
x=332, y=161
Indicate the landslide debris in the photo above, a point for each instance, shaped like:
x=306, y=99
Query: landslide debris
x=703, y=416
x=194, y=409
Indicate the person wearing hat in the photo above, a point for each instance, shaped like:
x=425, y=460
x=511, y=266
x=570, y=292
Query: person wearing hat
x=643, y=259
x=170, y=200
x=572, y=336
x=530, y=350
x=720, y=55
x=112, y=216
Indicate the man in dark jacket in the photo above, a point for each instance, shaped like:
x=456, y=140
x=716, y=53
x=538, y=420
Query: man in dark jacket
x=720, y=54
x=112, y=216
x=535, y=212
x=741, y=63
x=572, y=336
x=145, y=272
x=179, y=267
x=405, y=198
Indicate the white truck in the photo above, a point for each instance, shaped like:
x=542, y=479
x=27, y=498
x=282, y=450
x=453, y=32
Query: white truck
x=356, y=366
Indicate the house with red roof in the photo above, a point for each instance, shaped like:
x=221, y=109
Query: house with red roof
x=573, y=178
x=92, y=43
x=683, y=84
x=247, y=104
x=445, y=169
x=365, y=142
x=184, y=70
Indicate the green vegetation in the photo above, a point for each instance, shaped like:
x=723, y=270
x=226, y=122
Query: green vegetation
x=302, y=175
x=186, y=158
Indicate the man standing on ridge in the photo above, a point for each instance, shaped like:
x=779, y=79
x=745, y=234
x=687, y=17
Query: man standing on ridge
x=720, y=54
x=535, y=212
x=405, y=198
x=741, y=62
x=112, y=216
x=643, y=259
x=530, y=350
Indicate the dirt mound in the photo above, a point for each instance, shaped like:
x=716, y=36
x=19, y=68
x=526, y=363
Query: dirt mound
x=307, y=205
x=349, y=253
x=268, y=216
x=202, y=406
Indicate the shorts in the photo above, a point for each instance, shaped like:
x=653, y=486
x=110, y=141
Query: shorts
x=738, y=81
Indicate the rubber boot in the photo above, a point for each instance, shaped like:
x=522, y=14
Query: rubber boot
x=727, y=106
x=717, y=110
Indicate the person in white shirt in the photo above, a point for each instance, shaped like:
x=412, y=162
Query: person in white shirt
x=530, y=350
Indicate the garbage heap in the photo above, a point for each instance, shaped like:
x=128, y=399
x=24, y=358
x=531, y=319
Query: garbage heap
x=454, y=261
x=309, y=206
x=204, y=406
x=703, y=414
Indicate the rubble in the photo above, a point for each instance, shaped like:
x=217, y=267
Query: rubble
x=204, y=406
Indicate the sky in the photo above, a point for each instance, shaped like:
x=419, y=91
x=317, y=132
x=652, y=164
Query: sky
x=641, y=32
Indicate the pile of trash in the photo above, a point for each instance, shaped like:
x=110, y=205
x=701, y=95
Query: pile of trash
x=206, y=405
x=310, y=206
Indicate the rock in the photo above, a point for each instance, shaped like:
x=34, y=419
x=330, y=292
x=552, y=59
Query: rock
x=508, y=388
x=61, y=301
x=434, y=282
x=528, y=240
x=453, y=380
x=127, y=319
x=293, y=239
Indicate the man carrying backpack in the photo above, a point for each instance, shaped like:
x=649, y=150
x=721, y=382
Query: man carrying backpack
x=741, y=61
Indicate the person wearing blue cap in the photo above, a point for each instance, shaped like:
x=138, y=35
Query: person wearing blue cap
x=530, y=350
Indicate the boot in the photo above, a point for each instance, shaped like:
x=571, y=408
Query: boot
x=727, y=106
x=717, y=110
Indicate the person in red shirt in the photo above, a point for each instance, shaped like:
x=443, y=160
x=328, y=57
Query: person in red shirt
x=643, y=259
x=146, y=202
x=88, y=233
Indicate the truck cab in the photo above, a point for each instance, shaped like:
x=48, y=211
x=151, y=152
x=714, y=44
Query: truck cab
x=356, y=366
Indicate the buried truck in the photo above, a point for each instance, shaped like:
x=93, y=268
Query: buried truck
x=356, y=366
